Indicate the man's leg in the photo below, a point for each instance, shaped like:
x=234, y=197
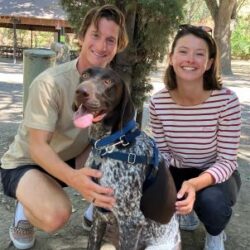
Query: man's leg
x=45, y=203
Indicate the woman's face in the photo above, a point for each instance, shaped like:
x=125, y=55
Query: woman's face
x=190, y=58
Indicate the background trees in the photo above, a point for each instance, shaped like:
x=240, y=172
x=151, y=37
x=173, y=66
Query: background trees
x=223, y=13
x=151, y=24
x=231, y=30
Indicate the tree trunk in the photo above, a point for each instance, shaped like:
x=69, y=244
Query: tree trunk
x=123, y=62
x=222, y=14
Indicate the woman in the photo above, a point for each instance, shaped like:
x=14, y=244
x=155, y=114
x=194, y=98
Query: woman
x=196, y=124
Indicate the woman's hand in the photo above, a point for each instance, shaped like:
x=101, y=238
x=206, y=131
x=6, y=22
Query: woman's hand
x=185, y=198
x=187, y=194
x=82, y=181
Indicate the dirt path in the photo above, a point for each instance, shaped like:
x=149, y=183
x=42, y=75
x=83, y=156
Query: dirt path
x=72, y=237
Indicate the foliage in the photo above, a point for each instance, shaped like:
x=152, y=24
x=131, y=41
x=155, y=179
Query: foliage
x=155, y=22
x=240, y=39
x=196, y=11
x=39, y=39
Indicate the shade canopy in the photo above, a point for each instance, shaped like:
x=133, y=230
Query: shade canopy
x=41, y=15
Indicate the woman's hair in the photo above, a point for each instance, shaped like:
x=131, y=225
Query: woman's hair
x=211, y=79
x=110, y=12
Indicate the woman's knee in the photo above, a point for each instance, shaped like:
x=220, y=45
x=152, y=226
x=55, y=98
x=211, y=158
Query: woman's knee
x=213, y=210
x=213, y=201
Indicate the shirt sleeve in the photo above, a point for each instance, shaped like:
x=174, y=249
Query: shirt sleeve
x=158, y=133
x=41, y=111
x=228, y=139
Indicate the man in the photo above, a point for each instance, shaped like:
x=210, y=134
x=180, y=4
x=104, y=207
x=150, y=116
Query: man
x=41, y=160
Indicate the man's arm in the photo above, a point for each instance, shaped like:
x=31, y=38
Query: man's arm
x=79, y=179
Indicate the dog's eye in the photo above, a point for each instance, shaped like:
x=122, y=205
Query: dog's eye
x=85, y=75
x=107, y=81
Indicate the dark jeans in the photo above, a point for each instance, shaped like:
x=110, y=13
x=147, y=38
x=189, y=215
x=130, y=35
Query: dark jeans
x=11, y=177
x=213, y=204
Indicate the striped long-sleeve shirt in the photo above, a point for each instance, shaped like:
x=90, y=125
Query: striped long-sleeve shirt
x=205, y=136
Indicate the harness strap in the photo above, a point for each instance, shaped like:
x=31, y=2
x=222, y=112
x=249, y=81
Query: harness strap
x=124, y=137
x=115, y=136
x=152, y=173
x=130, y=158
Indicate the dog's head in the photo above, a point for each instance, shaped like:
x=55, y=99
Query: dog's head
x=103, y=96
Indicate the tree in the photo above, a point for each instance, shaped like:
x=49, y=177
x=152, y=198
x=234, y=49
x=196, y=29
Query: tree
x=150, y=24
x=196, y=11
x=222, y=12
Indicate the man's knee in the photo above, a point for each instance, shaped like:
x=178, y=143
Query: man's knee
x=54, y=219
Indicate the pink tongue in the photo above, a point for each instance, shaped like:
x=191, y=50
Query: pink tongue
x=84, y=120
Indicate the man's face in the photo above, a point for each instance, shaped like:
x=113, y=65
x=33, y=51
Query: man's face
x=99, y=46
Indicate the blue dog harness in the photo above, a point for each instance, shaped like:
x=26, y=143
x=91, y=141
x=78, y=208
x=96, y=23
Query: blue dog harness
x=124, y=137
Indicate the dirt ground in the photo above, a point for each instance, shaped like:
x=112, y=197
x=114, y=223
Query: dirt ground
x=72, y=236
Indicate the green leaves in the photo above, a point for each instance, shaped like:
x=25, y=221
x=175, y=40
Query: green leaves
x=240, y=39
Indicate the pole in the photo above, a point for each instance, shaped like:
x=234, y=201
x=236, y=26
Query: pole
x=35, y=61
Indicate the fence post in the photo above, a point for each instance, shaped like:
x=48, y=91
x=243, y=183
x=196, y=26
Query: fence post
x=34, y=62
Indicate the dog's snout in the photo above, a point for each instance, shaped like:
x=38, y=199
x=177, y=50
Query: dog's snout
x=82, y=92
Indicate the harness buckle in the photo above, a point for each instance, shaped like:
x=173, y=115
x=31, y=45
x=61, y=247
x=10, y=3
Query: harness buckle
x=124, y=141
x=95, y=144
x=131, y=158
x=109, y=149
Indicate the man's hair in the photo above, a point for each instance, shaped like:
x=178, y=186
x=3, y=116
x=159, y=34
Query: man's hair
x=211, y=79
x=110, y=12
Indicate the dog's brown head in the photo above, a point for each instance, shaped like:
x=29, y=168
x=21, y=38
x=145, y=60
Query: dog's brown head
x=104, y=97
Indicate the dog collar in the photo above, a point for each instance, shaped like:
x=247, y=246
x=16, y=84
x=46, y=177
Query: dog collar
x=120, y=137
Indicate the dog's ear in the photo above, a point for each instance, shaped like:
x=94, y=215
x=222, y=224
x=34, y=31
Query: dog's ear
x=123, y=112
x=127, y=106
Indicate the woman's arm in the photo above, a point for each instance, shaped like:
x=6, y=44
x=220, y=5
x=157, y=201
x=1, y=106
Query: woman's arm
x=228, y=139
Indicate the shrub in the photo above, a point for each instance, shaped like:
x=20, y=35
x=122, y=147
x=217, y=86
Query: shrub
x=240, y=39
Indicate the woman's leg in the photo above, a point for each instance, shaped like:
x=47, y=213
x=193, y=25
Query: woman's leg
x=213, y=204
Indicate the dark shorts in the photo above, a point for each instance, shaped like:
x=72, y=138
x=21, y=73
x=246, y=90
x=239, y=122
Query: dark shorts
x=11, y=177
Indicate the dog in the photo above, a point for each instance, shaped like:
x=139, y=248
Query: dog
x=129, y=161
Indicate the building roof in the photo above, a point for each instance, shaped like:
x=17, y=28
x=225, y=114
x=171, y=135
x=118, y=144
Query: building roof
x=35, y=14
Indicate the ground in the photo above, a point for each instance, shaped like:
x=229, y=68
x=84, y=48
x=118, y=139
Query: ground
x=72, y=236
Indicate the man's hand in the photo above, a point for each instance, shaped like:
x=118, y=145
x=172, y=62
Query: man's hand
x=79, y=179
x=91, y=191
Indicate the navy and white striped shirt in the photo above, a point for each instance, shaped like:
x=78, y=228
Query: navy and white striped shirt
x=204, y=136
